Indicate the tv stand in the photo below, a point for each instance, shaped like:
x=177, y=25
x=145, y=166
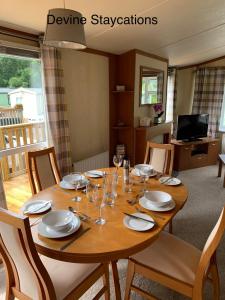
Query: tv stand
x=191, y=140
x=195, y=154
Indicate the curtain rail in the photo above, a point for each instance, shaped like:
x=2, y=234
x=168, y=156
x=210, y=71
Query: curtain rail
x=19, y=34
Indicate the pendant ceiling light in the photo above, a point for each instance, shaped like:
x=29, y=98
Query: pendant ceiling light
x=64, y=29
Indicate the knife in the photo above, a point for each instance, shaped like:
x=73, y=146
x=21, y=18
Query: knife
x=139, y=218
x=73, y=239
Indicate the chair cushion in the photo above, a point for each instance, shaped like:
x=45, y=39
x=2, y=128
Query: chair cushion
x=171, y=256
x=66, y=276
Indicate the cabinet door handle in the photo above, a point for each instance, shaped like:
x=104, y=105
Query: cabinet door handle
x=213, y=144
x=186, y=148
x=199, y=157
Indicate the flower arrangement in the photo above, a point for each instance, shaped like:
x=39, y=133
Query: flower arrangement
x=158, y=109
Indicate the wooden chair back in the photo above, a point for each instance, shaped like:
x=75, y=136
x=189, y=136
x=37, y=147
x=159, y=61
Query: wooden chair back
x=160, y=156
x=42, y=169
x=208, y=256
x=27, y=278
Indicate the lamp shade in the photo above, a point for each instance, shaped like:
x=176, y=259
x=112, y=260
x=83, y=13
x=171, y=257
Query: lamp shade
x=64, y=29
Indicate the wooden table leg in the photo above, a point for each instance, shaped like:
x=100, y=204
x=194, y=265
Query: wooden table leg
x=116, y=280
x=220, y=168
x=224, y=181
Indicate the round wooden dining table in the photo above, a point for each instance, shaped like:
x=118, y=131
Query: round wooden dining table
x=111, y=241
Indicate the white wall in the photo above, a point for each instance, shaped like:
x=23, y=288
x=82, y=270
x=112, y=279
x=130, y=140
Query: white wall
x=141, y=60
x=86, y=81
x=185, y=90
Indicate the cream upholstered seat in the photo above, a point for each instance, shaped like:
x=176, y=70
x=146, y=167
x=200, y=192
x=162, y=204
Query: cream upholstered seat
x=178, y=265
x=42, y=169
x=171, y=256
x=32, y=277
x=65, y=276
x=160, y=156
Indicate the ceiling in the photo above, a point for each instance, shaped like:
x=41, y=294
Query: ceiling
x=188, y=31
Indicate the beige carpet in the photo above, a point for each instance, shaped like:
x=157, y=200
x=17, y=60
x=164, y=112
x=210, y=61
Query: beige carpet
x=193, y=224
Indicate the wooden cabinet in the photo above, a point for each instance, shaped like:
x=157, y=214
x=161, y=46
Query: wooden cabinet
x=195, y=154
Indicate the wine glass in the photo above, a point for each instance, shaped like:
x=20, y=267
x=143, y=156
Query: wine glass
x=99, y=203
x=77, y=184
x=117, y=161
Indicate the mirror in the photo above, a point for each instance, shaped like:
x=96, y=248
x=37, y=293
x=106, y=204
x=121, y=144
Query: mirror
x=151, y=86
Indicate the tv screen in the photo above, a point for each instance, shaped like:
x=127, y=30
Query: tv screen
x=192, y=127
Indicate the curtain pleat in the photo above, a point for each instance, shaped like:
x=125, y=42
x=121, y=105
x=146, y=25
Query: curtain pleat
x=56, y=107
x=208, y=96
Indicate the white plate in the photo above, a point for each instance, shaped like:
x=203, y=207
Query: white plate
x=53, y=234
x=147, y=204
x=138, y=225
x=171, y=181
x=94, y=174
x=34, y=204
x=136, y=172
x=65, y=185
x=72, y=178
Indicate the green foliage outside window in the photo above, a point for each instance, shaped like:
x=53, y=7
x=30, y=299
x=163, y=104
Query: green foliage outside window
x=19, y=72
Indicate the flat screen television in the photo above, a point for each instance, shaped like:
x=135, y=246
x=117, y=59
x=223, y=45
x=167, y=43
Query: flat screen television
x=192, y=127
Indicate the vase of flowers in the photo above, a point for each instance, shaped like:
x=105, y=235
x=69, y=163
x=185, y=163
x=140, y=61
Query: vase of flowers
x=158, y=109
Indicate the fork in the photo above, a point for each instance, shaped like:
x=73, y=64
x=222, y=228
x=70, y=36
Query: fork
x=81, y=215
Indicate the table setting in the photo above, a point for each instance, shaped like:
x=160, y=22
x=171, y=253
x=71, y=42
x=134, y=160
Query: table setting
x=101, y=188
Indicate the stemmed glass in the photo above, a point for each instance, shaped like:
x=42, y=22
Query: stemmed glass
x=99, y=203
x=77, y=184
x=117, y=160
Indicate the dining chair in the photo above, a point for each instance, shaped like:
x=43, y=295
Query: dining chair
x=42, y=169
x=178, y=265
x=33, y=277
x=160, y=156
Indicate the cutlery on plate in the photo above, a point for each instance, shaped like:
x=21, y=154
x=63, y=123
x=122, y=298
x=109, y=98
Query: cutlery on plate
x=79, y=234
x=167, y=180
x=35, y=210
x=36, y=222
x=144, y=212
x=95, y=174
x=139, y=218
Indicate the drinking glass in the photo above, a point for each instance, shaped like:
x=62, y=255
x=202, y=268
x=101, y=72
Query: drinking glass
x=99, y=203
x=144, y=177
x=109, y=188
x=90, y=189
x=130, y=184
x=117, y=161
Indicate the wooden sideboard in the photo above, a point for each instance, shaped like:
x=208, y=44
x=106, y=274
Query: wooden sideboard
x=144, y=134
x=196, y=154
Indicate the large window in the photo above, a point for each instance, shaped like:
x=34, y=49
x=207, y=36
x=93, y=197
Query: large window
x=22, y=118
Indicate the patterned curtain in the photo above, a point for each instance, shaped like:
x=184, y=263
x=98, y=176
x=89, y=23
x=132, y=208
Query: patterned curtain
x=160, y=87
x=2, y=194
x=208, y=96
x=56, y=107
x=171, y=114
